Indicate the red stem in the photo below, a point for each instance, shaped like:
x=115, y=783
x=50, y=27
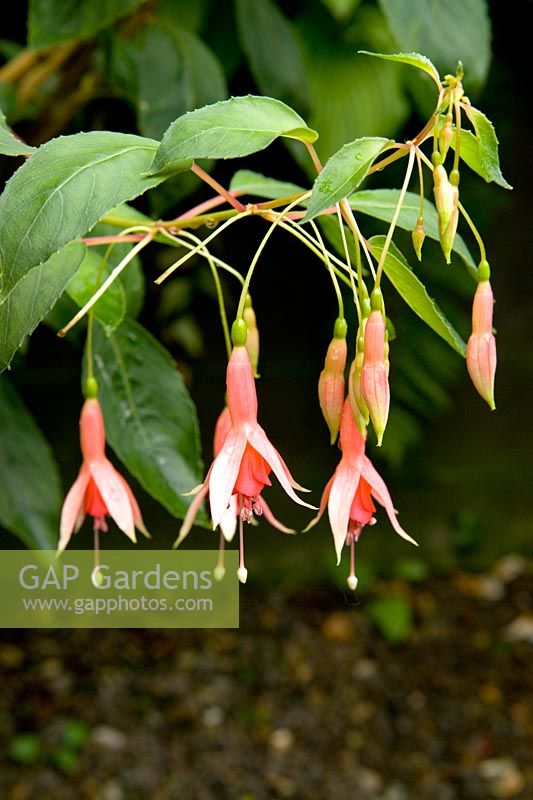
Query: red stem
x=207, y=205
x=91, y=241
x=217, y=187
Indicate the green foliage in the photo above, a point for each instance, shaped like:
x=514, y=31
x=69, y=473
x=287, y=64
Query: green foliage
x=413, y=59
x=30, y=300
x=343, y=173
x=54, y=21
x=480, y=152
x=272, y=50
x=63, y=190
x=171, y=71
x=111, y=307
x=229, y=129
x=255, y=184
x=150, y=419
x=9, y=144
x=413, y=291
x=30, y=490
x=445, y=32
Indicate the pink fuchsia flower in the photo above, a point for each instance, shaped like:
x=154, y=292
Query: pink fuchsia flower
x=375, y=373
x=331, y=381
x=242, y=467
x=350, y=493
x=481, y=350
x=99, y=490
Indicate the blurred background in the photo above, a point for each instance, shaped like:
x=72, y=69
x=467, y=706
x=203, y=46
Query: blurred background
x=419, y=686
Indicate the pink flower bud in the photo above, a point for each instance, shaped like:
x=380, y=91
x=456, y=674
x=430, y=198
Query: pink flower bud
x=418, y=237
x=355, y=395
x=481, y=350
x=331, y=381
x=375, y=374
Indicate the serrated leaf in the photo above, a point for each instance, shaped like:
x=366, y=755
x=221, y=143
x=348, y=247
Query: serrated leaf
x=9, y=144
x=413, y=291
x=30, y=300
x=229, y=129
x=272, y=50
x=253, y=183
x=381, y=204
x=175, y=72
x=110, y=309
x=412, y=59
x=63, y=190
x=54, y=21
x=343, y=173
x=30, y=489
x=445, y=32
x=487, y=145
x=150, y=418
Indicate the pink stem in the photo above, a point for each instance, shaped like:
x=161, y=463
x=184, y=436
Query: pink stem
x=207, y=205
x=91, y=241
x=217, y=187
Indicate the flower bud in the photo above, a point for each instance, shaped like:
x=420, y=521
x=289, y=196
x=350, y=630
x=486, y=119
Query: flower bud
x=418, y=237
x=446, y=136
x=481, y=350
x=331, y=381
x=355, y=395
x=375, y=377
x=252, y=339
x=446, y=193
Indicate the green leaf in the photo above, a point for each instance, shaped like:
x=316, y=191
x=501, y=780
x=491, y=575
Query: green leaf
x=175, y=72
x=111, y=307
x=150, y=418
x=253, y=183
x=9, y=144
x=343, y=173
x=54, y=21
x=63, y=190
x=272, y=50
x=410, y=288
x=229, y=129
x=30, y=489
x=413, y=59
x=486, y=148
x=30, y=300
x=381, y=204
x=445, y=32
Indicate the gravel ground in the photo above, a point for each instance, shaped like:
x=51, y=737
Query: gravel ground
x=306, y=700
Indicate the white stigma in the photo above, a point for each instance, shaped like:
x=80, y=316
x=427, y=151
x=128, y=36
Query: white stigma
x=219, y=572
x=242, y=572
x=352, y=582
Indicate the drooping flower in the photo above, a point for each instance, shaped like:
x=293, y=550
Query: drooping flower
x=375, y=374
x=242, y=467
x=349, y=494
x=99, y=490
x=481, y=350
x=331, y=380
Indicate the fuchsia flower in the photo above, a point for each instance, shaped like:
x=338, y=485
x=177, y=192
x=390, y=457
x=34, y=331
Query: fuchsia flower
x=375, y=373
x=481, y=350
x=348, y=494
x=246, y=458
x=99, y=490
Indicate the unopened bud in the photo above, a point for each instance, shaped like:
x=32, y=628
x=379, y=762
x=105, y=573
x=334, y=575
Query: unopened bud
x=481, y=350
x=446, y=136
x=331, y=381
x=252, y=339
x=418, y=237
x=357, y=404
x=374, y=377
x=447, y=201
